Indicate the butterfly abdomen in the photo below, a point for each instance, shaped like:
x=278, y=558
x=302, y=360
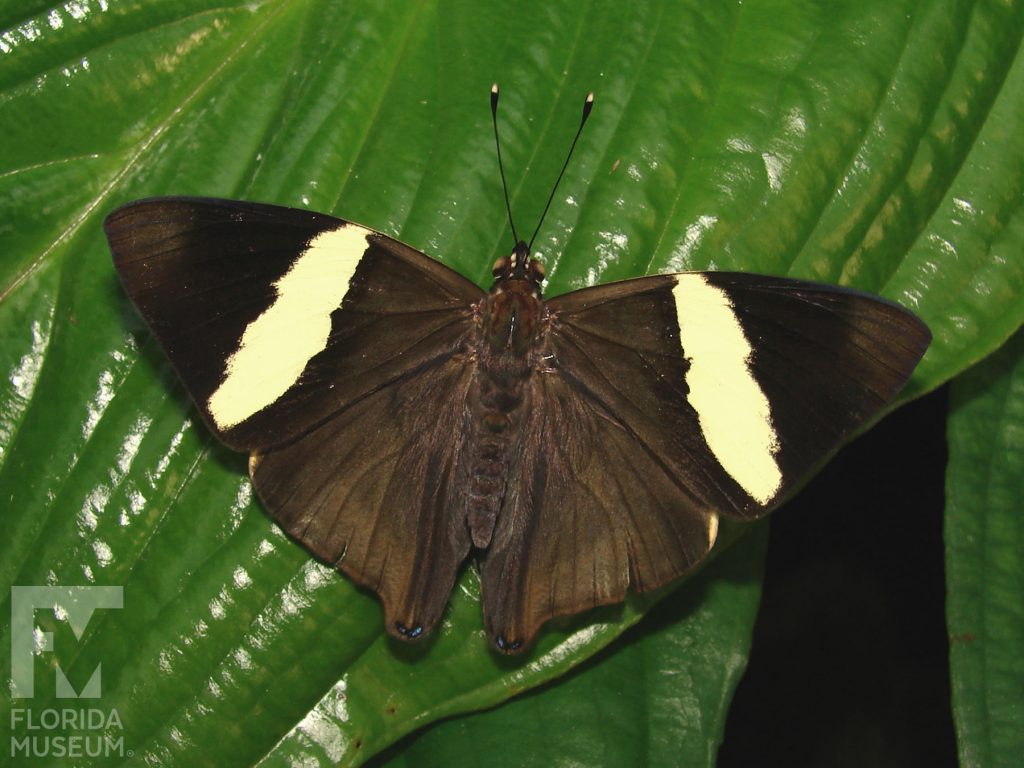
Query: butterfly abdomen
x=486, y=487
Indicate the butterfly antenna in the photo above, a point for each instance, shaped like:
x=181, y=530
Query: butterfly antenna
x=588, y=105
x=501, y=167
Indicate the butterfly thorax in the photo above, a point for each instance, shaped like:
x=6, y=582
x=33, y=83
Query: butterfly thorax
x=511, y=328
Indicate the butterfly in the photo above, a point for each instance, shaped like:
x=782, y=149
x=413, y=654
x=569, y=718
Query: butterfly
x=398, y=417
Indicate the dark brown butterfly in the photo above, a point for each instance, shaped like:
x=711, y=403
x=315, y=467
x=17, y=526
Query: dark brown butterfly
x=399, y=417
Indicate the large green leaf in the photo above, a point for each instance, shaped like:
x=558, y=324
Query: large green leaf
x=985, y=559
x=876, y=144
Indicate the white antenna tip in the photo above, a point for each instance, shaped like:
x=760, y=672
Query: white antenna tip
x=494, y=88
x=590, y=97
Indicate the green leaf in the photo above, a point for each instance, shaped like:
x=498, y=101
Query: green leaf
x=877, y=144
x=985, y=558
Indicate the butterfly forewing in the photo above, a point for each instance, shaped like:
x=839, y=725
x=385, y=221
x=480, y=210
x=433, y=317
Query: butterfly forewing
x=754, y=379
x=247, y=299
x=827, y=360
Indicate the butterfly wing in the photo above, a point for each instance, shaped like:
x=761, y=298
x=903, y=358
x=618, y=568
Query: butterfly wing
x=589, y=512
x=378, y=492
x=277, y=318
x=664, y=402
x=336, y=355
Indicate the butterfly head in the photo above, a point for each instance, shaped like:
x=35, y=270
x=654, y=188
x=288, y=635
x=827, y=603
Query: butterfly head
x=520, y=272
x=519, y=269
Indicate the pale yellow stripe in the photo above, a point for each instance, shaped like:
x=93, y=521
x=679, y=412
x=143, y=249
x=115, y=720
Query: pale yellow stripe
x=734, y=413
x=277, y=345
x=712, y=530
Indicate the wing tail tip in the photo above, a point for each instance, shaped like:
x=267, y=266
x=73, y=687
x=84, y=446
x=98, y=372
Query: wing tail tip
x=410, y=624
x=411, y=631
x=507, y=646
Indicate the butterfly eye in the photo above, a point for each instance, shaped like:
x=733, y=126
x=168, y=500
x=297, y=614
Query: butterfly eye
x=536, y=270
x=500, y=265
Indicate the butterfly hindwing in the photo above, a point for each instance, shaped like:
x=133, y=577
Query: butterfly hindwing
x=590, y=512
x=277, y=318
x=379, y=492
x=663, y=402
